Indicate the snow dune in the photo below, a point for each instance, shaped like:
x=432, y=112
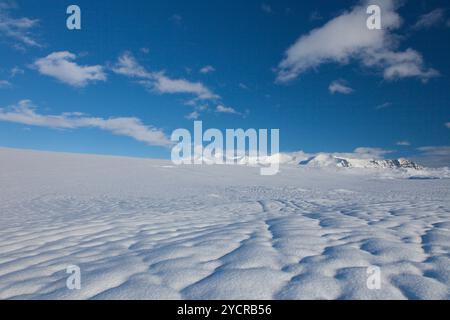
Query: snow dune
x=145, y=229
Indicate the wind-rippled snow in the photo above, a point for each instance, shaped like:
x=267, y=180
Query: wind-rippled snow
x=145, y=229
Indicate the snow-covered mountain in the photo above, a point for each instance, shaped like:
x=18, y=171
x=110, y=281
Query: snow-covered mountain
x=326, y=160
x=323, y=160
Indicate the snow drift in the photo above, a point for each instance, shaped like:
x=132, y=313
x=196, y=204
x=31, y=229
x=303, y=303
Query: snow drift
x=145, y=229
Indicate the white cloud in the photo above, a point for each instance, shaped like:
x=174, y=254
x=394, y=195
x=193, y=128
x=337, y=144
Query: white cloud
x=398, y=65
x=61, y=66
x=383, y=105
x=365, y=153
x=359, y=153
x=128, y=66
x=207, y=69
x=346, y=38
x=434, y=156
x=339, y=86
x=443, y=150
x=266, y=8
x=20, y=30
x=403, y=143
x=222, y=109
x=447, y=125
x=430, y=19
x=193, y=115
x=229, y=110
x=164, y=84
x=5, y=84
x=25, y=113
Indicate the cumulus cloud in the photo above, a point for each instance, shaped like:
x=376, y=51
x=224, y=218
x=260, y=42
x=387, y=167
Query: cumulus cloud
x=24, y=112
x=207, y=69
x=408, y=63
x=430, y=19
x=61, y=66
x=127, y=65
x=19, y=30
x=346, y=38
x=339, y=86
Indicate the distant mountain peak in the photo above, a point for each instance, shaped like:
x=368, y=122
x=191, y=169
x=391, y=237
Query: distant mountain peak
x=329, y=160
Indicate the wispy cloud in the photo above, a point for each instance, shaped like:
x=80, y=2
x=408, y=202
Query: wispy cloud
x=159, y=82
x=207, y=69
x=430, y=19
x=371, y=48
x=61, y=66
x=243, y=86
x=383, y=105
x=339, y=86
x=164, y=84
x=19, y=30
x=24, y=112
x=16, y=71
x=127, y=65
x=447, y=125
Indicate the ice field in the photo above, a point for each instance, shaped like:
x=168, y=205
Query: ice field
x=145, y=229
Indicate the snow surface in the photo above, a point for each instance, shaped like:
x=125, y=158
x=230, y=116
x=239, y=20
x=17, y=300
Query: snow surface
x=145, y=229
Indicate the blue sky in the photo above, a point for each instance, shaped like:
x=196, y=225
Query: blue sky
x=137, y=70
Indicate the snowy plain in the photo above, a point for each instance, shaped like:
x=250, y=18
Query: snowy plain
x=145, y=229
